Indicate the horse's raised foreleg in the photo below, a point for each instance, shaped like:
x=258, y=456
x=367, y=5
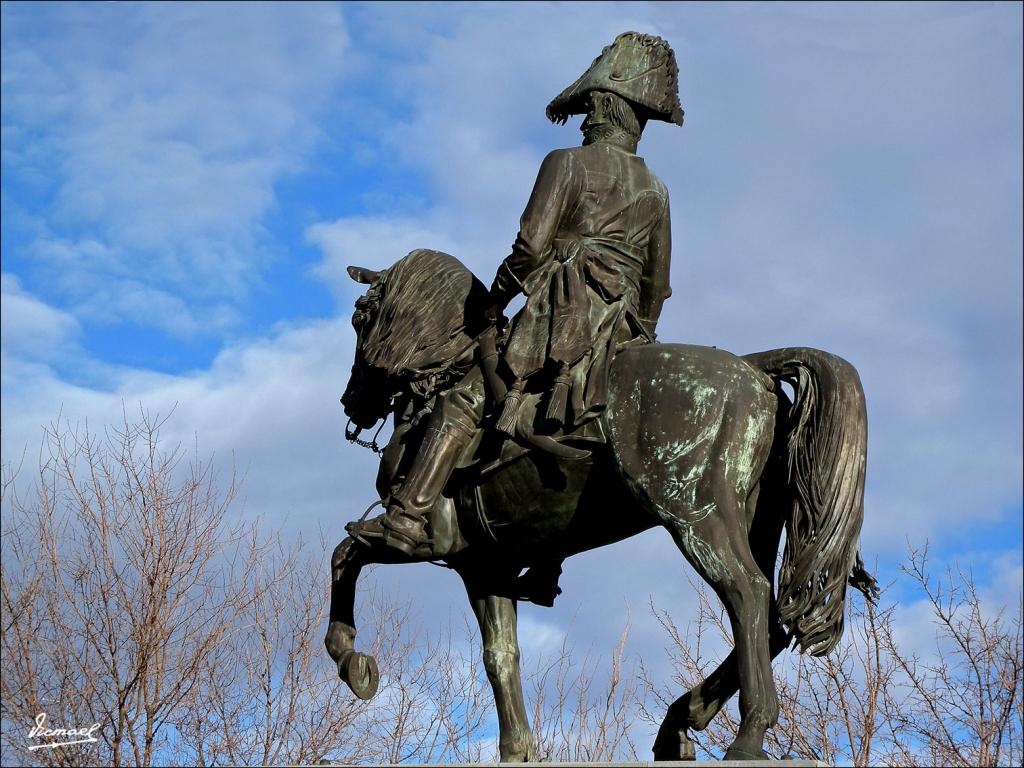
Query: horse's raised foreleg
x=358, y=670
x=497, y=618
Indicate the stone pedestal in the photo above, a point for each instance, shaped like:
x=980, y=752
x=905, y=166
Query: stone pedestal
x=623, y=764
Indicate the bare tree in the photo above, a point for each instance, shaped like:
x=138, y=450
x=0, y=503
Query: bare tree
x=114, y=589
x=581, y=713
x=965, y=705
x=437, y=705
x=272, y=697
x=265, y=697
x=129, y=601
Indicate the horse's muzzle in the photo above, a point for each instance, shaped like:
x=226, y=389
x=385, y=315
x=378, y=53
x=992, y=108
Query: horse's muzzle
x=367, y=399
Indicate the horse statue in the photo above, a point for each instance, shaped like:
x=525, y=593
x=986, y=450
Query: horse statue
x=706, y=444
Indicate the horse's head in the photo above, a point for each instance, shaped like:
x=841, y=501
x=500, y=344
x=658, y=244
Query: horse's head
x=416, y=318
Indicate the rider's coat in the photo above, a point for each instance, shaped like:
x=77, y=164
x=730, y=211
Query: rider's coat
x=592, y=257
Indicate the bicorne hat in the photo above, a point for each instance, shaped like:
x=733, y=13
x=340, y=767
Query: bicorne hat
x=640, y=68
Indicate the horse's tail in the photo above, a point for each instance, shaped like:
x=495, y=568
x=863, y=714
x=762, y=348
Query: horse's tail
x=827, y=449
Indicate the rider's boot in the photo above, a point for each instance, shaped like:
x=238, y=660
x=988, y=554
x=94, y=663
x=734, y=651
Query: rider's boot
x=451, y=428
x=405, y=524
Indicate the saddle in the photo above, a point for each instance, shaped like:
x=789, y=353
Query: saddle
x=491, y=449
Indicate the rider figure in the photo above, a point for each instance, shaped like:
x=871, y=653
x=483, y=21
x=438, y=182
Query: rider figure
x=592, y=257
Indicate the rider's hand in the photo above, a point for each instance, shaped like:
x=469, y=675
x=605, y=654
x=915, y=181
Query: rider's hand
x=495, y=316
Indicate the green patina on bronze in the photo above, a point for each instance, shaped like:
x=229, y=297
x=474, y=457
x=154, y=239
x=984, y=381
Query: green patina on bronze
x=518, y=444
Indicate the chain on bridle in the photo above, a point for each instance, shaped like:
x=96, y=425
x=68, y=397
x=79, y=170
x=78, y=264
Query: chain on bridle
x=352, y=435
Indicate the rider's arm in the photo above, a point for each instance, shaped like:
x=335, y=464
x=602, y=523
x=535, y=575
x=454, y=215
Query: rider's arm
x=557, y=181
x=655, y=288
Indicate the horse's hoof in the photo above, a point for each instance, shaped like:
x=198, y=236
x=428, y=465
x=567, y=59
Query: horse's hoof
x=681, y=749
x=526, y=756
x=360, y=673
x=518, y=747
x=735, y=753
x=687, y=750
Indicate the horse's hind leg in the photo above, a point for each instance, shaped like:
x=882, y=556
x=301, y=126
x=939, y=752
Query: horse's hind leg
x=714, y=540
x=695, y=709
x=497, y=618
x=358, y=670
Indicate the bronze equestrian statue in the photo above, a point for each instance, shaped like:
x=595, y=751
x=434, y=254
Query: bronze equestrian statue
x=518, y=445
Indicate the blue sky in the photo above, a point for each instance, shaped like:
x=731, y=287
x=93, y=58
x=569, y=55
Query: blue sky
x=183, y=185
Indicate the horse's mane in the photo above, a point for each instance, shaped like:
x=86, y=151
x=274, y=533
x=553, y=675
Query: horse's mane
x=427, y=310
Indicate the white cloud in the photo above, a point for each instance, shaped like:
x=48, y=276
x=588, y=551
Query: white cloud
x=30, y=328
x=164, y=130
x=267, y=407
x=372, y=242
x=539, y=637
x=466, y=94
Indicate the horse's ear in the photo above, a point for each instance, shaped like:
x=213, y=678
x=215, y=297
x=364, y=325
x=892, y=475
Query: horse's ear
x=363, y=275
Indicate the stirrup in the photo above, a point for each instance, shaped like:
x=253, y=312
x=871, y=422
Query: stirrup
x=365, y=531
x=360, y=529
